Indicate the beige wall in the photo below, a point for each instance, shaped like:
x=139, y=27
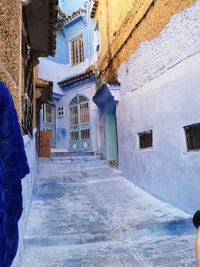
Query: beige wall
x=123, y=25
x=10, y=47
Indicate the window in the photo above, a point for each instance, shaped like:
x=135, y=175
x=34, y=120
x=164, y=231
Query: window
x=192, y=133
x=73, y=115
x=77, y=50
x=61, y=111
x=84, y=113
x=74, y=135
x=146, y=139
x=85, y=134
x=48, y=113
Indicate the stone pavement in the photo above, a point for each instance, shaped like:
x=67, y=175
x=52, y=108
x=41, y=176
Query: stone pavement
x=96, y=218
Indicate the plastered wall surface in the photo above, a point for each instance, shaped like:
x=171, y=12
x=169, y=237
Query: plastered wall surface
x=160, y=91
x=56, y=72
x=27, y=185
x=165, y=105
x=131, y=24
x=10, y=35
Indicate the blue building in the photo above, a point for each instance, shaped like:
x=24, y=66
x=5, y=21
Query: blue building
x=72, y=117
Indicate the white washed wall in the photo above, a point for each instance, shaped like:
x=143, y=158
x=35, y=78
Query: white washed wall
x=160, y=90
x=179, y=40
x=27, y=185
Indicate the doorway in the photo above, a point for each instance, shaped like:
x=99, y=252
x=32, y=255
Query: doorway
x=79, y=125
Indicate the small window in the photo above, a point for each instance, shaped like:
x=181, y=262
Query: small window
x=192, y=133
x=77, y=50
x=61, y=111
x=146, y=139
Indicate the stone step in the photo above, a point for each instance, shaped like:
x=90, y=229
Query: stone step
x=69, y=154
x=69, y=159
x=51, y=166
x=80, y=175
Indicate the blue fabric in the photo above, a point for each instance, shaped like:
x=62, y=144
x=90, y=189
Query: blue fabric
x=13, y=167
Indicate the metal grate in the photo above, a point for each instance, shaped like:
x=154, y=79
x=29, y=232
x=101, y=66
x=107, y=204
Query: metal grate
x=146, y=139
x=74, y=135
x=73, y=115
x=85, y=134
x=84, y=113
x=77, y=50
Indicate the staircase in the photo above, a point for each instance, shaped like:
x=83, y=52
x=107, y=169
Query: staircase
x=71, y=161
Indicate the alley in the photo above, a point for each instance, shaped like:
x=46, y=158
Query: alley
x=86, y=214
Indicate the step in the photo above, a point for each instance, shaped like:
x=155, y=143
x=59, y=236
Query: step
x=66, y=154
x=51, y=166
x=69, y=159
x=81, y=175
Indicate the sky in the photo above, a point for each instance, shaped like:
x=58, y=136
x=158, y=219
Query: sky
x=69, y=6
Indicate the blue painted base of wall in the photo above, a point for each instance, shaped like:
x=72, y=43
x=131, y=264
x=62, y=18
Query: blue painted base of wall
x=27, y=185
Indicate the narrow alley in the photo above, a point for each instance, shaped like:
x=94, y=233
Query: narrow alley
x=86, y=214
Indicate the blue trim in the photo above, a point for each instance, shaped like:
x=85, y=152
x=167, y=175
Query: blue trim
x=104, y=99
x=56, y=96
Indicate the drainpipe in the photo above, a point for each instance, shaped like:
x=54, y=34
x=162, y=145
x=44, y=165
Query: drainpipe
x=88, y=31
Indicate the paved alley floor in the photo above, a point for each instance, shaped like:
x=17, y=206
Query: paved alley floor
x=96, y=218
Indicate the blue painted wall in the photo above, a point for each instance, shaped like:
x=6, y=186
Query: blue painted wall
x=165, y=105
x=82, y=24
x=58, y=68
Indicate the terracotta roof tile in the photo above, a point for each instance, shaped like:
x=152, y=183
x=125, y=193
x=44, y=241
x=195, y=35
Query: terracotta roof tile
x=77, y=78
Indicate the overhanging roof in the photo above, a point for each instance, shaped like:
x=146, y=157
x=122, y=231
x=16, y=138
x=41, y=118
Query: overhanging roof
x=41, y=19
x=77, y=78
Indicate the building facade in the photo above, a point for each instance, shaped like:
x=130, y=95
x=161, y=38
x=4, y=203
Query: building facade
x=19, y=52
x=151, y=48
x=72, y=115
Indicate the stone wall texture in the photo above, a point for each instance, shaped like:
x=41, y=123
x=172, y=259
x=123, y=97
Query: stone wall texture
x=123, y=27
x=10, y=38
x=178, y=40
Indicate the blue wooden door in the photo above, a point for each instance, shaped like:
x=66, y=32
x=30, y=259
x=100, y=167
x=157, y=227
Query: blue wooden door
x=79, y=125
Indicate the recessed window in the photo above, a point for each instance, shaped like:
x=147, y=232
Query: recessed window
x=77, y=50
x=146, y=139
x=192, y=133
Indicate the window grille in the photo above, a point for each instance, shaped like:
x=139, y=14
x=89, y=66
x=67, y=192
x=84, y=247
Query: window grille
x=192, y=133
x=74, y=136
x=84, y=113
x=73, y=115
x=49, y=113
x=145, y=139
x=77, y=50
x=85, y=134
